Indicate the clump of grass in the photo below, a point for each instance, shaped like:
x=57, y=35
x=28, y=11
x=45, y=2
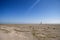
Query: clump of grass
x=5, y=31
x=54, y=28
x=34, y=33
x=48, y=27
x=20, y=30
x=17, y=30
x=50, y=36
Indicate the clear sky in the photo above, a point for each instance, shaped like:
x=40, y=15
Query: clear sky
x=29, y=11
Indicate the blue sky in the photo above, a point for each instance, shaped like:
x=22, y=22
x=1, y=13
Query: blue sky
x=29, y=11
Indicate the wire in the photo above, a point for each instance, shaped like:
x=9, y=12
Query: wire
x=33, y=6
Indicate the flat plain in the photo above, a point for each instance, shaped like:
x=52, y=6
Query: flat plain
x=29, y=31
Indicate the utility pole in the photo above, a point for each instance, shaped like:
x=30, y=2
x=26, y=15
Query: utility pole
x=41, y=22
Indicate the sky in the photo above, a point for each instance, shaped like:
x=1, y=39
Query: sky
x=29, y=11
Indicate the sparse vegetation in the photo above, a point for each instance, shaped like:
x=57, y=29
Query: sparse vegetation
x=5, y=31
x=43, y=32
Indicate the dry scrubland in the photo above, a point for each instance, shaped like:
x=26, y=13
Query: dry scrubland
x=29, y=32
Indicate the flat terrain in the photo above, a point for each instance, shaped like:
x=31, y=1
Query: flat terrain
x=29, y=31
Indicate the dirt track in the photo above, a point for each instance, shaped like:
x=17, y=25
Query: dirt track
x=30, y=32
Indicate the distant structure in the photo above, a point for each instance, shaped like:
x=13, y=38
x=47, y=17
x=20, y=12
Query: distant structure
x=41, y=19
x=41, y=22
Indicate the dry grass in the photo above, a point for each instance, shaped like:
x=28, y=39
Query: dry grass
x=32, y=31
x=4, y=30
